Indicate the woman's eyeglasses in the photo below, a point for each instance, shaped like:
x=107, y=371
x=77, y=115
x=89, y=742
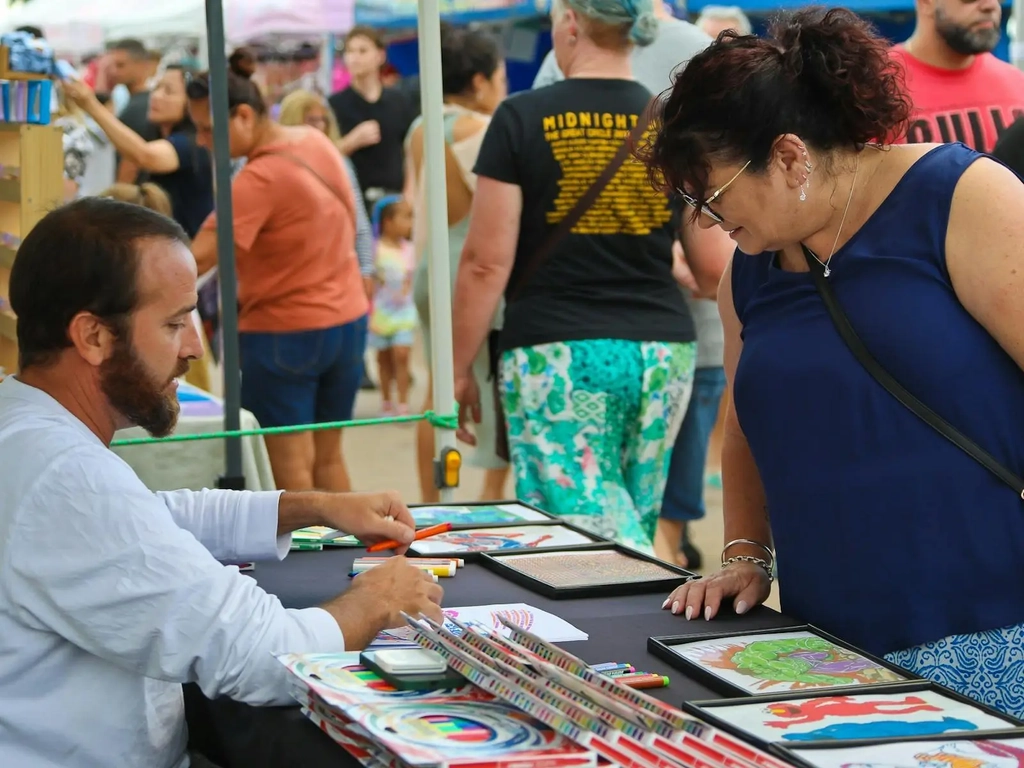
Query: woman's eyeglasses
x=706, y=207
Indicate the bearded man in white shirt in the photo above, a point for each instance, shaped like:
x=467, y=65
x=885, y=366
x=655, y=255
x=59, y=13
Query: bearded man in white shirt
x=111, y=596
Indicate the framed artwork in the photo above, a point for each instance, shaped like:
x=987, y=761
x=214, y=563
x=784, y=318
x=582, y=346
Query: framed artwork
x=509, y=538
x=775, y=661
x=475, y=515
x=993, y=749
x=914, y=710
x=600, y=571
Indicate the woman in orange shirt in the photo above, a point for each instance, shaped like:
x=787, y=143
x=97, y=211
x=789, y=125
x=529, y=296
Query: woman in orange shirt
x=302, y=306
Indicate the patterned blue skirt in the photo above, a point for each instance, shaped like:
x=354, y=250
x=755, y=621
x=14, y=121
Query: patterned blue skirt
x=984, y=666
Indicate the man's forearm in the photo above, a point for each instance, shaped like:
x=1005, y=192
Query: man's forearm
x=300, y=509
x=477, y=294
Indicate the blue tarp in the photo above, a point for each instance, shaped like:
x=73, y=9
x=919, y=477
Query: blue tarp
x=401, y=14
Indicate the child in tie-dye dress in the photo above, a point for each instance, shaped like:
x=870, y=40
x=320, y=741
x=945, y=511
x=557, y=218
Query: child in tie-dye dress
x=393, y=319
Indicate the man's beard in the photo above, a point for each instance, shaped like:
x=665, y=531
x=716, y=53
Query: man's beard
x=132, y=391
x=964, y=40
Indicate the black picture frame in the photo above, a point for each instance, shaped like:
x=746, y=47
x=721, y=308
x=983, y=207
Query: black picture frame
x=475, y=557
x=797, y=755
x=549, y=519
x=705, y=711
x=493, y=561
x=662, y=648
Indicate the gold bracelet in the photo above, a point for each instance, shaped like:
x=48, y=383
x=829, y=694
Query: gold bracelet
x=751, y=542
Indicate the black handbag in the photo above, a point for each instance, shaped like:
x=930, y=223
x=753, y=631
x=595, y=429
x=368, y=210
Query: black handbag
x=897, y=390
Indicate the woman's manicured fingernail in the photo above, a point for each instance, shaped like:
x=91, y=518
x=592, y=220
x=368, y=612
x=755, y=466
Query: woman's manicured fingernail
x=665, y=604
x=707, y=613
x=689, y=612
x=675, y=607
x=741, y=607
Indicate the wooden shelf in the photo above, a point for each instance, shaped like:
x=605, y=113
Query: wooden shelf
x=8, y=324
x=7, y=257
x=6, y=73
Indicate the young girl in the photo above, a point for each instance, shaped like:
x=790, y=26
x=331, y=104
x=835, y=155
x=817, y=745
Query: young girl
x=393, y=319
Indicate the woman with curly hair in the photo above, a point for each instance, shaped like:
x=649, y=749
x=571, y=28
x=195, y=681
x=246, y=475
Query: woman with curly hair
x=887, y=534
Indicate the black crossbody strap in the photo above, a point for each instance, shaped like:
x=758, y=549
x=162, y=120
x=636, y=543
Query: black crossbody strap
x=897, y=390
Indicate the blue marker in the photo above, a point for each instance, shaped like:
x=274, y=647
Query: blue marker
x=612, y=666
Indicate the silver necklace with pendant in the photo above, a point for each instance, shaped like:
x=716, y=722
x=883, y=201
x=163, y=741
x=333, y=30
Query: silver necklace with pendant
x=835, y=243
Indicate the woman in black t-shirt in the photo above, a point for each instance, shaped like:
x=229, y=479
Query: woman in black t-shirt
x=175, y=162
x=597, y=349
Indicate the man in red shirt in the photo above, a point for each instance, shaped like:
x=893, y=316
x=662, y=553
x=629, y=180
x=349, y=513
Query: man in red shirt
x=960, y=91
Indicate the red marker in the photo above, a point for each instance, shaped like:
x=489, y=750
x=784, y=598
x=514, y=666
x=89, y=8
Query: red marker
x=421, y=534
x=643, y=681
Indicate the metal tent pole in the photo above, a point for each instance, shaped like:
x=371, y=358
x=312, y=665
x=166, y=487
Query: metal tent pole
x=233, y=477
x=431, y=105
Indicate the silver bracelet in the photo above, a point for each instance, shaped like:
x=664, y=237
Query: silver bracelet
x=751, y=542
x=755, y=560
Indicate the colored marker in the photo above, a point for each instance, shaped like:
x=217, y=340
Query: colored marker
x=623, y=672
x=612, y=668
x=643, y=681
x=459, y=562
x=353, y=574
x=423, y=534
x=446, y=570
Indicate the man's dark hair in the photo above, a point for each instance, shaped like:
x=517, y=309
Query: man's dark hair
x=369, y=33
x=28, y=29
x=132, y=47
x=81, y=257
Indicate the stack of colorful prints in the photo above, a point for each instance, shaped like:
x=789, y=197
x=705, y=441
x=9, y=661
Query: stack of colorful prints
x=311, y=538
x=774, y=662
x=623, y=726
x=440, y=728
x=477, y=514
x=546, y=625
x=1006, y=751
x=919, y=711
x=504, y=538
x=581, y=572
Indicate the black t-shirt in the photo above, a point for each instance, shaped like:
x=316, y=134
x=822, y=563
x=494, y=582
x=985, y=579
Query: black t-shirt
x=136, y=116
x=190, y=188
x=611, y=278
x=381, y=166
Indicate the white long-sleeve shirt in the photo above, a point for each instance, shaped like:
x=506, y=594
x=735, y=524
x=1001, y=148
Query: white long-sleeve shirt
x=111, y=596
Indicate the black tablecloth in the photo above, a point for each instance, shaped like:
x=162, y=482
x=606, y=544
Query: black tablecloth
x=240, y=736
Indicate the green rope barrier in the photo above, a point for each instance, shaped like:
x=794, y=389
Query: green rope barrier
x=441, y=421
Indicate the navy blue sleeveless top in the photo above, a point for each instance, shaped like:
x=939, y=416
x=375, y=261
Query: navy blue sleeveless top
x=887, y=534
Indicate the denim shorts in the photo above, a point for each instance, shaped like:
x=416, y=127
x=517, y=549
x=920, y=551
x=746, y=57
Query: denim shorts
x=399, y=339
x=302, y=377
x=684, y=492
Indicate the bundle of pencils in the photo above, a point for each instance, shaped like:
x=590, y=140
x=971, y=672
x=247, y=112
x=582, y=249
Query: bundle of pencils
x=444, y=567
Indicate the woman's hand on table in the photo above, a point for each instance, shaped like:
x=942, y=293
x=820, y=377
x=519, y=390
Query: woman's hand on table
x=371, y=517
x=746, y=582
x=467, y=395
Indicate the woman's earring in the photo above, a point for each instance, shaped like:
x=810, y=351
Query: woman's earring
x=572, y=39
x=803, y=194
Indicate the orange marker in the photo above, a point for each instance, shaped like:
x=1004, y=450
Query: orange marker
x=422, y=534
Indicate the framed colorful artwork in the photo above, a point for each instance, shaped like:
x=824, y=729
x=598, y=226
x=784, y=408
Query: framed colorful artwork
x=914, y=710
x=604, y=571
x=991, y=749
x=470, y=542
x=775, y=661
x=474, y=515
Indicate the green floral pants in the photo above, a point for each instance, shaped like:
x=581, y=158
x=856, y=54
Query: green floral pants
x=591, y=426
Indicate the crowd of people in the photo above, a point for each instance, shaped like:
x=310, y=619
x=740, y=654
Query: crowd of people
x=810, y=216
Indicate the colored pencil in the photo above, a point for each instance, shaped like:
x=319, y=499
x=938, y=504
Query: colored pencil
x=423, y=534
x=459, y=562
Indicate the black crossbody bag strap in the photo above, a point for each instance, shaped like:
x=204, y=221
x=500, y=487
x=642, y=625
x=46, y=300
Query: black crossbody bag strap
x=897, y=390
